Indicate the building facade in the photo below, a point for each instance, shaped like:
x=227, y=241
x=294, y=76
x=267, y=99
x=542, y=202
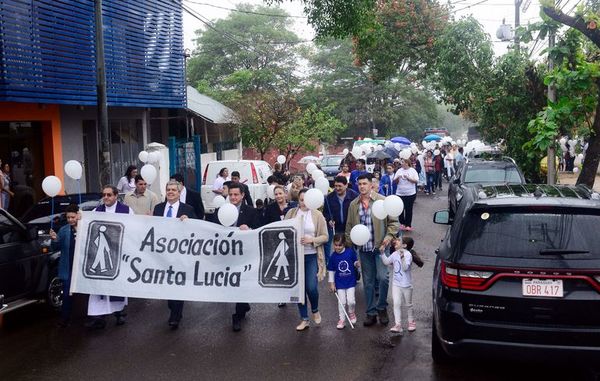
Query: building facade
x=48, y=84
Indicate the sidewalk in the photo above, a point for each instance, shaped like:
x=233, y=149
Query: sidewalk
x=569, y=178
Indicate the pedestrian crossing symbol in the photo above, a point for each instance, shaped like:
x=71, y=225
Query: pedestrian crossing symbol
x=103, y=250
x=279, y=258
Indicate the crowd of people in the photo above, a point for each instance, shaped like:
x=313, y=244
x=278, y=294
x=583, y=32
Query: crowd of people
x=327, y=243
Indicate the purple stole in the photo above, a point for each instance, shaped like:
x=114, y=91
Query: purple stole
x=121, y=208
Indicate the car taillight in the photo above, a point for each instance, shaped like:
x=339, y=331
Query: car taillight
x=205, y=174
x=449, y=276
x=465, y=279
x=254, y=174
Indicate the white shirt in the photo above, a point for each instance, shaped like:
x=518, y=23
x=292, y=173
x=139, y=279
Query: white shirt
x=218, y=184
x=402, y=273
x=309, y=230
x=175, y=209
x=183, y=195
x=113, y=209
x=405, y=187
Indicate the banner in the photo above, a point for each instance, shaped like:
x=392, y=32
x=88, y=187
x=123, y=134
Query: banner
x=165, y=258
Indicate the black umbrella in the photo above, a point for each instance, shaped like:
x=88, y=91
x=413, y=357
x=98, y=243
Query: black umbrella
x=379, y=155
x=391, y=151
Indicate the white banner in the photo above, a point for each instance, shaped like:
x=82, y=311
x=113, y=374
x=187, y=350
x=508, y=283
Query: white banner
x=165, y=258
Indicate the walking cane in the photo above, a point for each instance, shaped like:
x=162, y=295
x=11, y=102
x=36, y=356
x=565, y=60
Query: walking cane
x=344, y=309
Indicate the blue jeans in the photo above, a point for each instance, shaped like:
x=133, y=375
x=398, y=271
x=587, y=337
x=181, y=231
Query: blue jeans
x=430, y=182
x=311, y=268
x=67, y=302
x=373, y=270
x=328, y=246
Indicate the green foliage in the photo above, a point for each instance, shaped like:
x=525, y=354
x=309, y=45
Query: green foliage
x=245, y=53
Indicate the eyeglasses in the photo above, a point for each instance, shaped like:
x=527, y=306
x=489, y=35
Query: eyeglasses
x=107, y=194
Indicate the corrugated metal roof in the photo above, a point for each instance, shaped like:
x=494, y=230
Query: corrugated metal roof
x=208, y=108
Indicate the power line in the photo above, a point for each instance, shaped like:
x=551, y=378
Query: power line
x=469, y=6
x=248, y=12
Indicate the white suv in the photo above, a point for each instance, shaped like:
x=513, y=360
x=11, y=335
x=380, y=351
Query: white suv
x=253, y=173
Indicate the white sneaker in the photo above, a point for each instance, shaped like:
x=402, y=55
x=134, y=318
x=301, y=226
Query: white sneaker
x=341, y=324
x=304, y=324
x=396, y=329
x=317, y=317
x=352, y=316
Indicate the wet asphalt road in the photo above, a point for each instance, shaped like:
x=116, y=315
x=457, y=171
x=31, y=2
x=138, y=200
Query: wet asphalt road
x=32, y=347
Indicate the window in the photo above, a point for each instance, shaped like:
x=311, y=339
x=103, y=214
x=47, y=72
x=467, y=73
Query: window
x=495, y=175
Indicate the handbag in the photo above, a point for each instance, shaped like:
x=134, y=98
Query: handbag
x=416, y=258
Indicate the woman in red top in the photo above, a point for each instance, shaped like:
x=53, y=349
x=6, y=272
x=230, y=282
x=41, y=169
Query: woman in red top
x=429, y=173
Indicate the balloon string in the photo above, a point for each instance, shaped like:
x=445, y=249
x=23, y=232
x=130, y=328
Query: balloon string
x=52, y=214
x=79, y=190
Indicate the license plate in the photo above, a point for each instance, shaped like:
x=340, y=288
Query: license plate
x=552, y=288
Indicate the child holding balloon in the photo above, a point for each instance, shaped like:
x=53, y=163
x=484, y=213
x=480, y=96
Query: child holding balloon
x=402, y=289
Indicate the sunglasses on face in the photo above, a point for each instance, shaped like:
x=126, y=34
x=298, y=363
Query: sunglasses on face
x=107, y=194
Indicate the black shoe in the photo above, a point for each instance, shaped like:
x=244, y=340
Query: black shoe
x=64, y=323
x=383, y=317
x=236, y=323
x=173, y=324
x=370, y=320
x=281, y=305
x=120, y=319
x=96, y=323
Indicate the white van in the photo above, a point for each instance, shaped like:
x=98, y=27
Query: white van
x=253, y=173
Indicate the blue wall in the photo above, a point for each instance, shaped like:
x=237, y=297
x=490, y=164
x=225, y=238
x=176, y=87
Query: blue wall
x=47, y=52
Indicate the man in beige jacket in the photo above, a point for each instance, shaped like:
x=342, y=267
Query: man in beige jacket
x=360, y=211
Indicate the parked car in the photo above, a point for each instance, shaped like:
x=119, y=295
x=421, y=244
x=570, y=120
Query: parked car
x=253, y=173
x=518, y=274
x=28, y=274
x=480, y=171
x=330, y=165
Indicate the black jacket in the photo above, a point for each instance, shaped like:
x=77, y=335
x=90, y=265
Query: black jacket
x=194, y=199
x=184, y=209
x=331, y=209
x=248, y=216
x=273, y=213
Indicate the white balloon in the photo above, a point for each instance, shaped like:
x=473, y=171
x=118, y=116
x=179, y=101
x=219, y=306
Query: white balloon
x=148, y=173
x=143, y=156
x=157, y=156
x=281, y=159
x=151, y=158
x=313, y=199
x=436, y=152
x=379, y=147
x=73, y=169
x=322, y=184
x=317, y=173
x=360, y=235
x=228, y=214
x=405, y=154
x=414, y=149
x=576, y=170
x=345, y=151
x=580, y=156
x=393, y=205
x=271, y=191
x=219, y=201
x=397, y=146
x=356, y=151
x=51, y=185
x=379, y=209
x=310, y=167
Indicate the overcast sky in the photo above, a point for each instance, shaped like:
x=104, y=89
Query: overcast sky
x=489, y=13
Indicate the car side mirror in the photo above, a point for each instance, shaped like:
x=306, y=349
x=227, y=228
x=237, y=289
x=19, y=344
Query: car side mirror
x=442, y=217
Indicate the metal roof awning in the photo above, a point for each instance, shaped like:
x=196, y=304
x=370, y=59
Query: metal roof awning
x=208, y=108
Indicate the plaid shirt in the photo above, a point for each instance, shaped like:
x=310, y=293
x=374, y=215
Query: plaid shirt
x=367, y=220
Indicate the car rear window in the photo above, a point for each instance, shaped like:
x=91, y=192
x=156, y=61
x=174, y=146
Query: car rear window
x=332, y=161
x=496, y=175
x=530, y=235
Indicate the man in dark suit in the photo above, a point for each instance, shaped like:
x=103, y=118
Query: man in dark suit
x=235, y=178
x=247, y=220
x=190, y=197
x=174, y=208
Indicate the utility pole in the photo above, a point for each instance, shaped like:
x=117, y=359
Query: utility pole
x=551, y=176
x=102, y=119
x=517, y=22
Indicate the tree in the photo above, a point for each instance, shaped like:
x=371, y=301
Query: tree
x=315, y=125
x=244, y=53
x=584, y=75
x=393, y=106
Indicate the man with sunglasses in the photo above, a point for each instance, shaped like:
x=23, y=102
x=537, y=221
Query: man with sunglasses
x=101, y=305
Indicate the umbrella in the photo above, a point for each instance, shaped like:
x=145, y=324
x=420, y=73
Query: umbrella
x=391, y=151
x=401, y=140
x=379, y=155
x=431, y=137
x=309, y=159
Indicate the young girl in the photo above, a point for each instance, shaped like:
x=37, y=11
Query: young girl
x=342, y=277
x=402, y=288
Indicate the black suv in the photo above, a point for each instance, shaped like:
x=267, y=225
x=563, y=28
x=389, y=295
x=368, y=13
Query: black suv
x=518, y=274
x=28, y=272
x=494, y=171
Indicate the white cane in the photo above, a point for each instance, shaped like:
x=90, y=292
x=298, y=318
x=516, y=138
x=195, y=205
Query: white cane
x=344, y=309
